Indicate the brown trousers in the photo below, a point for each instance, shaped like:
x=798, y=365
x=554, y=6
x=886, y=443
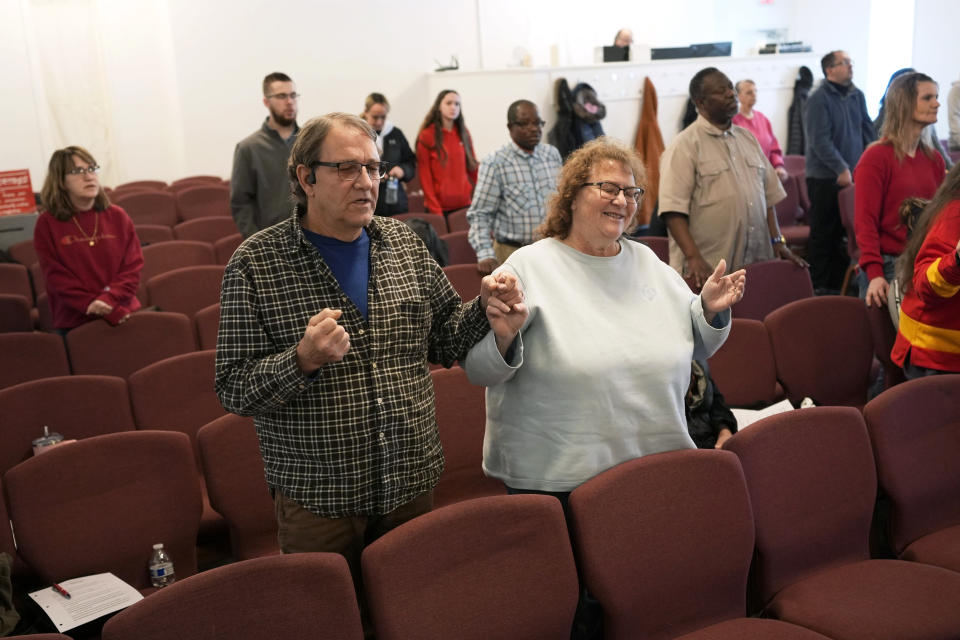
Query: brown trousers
x=301, y=531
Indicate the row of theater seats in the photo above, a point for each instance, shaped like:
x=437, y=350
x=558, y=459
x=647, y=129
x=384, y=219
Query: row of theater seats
x=680, y=544
x=827, y=348
x=168, y=207
x=176, y=394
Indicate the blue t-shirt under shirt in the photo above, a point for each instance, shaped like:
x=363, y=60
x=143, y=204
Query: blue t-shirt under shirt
x=349, y=262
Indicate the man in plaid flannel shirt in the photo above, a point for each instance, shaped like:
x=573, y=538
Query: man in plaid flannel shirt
x=327, y=322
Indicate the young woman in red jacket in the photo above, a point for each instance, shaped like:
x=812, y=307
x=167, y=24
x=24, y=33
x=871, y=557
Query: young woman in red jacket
x=928, y=339
x=445, y=156
x=88, y=250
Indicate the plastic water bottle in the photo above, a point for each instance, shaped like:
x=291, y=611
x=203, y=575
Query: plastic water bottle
x=161, y=567
x=393, y=186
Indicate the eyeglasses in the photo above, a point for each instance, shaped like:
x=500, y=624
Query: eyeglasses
x=845, y=62
x=531, y=123
x=610, y=190
x=351, y=170
x=283, y=97
x=79, y=171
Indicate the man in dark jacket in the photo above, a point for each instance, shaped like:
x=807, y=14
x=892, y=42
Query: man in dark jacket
x=259, y=187
x=837, y=130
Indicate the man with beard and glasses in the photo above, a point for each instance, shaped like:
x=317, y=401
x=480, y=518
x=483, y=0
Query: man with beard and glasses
x=259, y=188
x=514, y=183
x=717, y=188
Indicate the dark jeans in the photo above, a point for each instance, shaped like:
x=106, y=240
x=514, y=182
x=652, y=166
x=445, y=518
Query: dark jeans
x=826, y=250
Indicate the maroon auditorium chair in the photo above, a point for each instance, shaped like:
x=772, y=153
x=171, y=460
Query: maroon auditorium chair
x=915, y=430
x=153, y=233
x=457, y=220
x=23, y=252
x=207, y=229
x=203, y=200
x=147, y=337
x=438, y=223
x=770, y=285
x=496, y=567
x=224, y=247
x=884, y=335
x=186, y=290
x=461, y=419
x=74, y=406
x=743, y=369
x=812, y=483
x=301, y=595
x=207, y=321
x=664, y=542
x=29, y=355
x=177, y=393
x=167, y=256
x=15, y=279
x=100, y=504
x=823, y=348
x=148, y=207
x=465, y=279
x=659, y=245
x=233, y=470
x=459, y=248
x=16, y=314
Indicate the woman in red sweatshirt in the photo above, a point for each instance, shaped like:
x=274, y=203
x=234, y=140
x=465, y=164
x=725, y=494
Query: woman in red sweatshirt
x=902, y=164
x=445, y=156
x=88, y=250
x=928, y=339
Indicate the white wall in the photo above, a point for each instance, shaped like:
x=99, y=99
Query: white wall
x=936, y=47
x=182, y=78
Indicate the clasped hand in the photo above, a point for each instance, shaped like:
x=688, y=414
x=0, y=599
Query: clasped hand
x=502, y=297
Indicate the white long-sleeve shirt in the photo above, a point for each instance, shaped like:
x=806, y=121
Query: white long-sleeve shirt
x=599, y=371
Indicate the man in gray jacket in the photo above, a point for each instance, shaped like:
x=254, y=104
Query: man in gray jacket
x=259, y=187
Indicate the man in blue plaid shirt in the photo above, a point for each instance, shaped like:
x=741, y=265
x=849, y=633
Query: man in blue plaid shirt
x=514, y=183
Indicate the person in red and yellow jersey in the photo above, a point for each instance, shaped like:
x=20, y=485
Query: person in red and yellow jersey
x=928, y=339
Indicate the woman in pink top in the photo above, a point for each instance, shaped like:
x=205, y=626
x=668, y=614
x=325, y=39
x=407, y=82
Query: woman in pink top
x=445, y=156
x=757, y=124
x=900, y=165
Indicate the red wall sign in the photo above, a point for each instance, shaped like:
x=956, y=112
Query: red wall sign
x=16, y=194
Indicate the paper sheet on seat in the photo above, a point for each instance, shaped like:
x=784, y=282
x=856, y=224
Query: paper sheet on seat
x=90, y=597
x=746, y=417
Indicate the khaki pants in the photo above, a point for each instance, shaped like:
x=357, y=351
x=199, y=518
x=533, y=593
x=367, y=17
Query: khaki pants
x=301, y=531
x=502, y=251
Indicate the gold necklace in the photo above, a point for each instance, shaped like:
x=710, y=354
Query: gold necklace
x=91, y=240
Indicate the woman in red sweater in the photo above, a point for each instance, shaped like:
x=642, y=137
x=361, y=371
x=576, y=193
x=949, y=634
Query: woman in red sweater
x=88, y=249
x=902, y=164
x=928, y=339
x=445, y=156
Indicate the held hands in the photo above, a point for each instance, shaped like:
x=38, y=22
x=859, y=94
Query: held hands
x=877, y=292
x=324, y=341
x=99, y=308
x=782, y=173
x=502, y=296
x=721, y=292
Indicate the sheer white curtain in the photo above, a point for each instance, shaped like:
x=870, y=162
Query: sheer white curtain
x=65, y=46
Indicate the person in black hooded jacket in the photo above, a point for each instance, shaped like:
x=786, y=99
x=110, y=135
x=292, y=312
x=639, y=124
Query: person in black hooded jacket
x=709, y=420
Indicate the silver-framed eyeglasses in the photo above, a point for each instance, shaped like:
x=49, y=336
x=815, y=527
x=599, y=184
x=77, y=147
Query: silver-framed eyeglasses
x=351, y=170
x=283, y=97
x=80, y=171
x=610, y=190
